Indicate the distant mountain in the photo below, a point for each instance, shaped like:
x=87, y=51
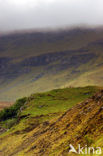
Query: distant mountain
x=39, y=61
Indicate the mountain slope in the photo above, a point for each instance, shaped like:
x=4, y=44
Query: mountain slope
x=38, y=133
x=40, y=61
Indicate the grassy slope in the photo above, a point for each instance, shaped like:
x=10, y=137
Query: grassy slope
x=41, y=120
x=17, y=80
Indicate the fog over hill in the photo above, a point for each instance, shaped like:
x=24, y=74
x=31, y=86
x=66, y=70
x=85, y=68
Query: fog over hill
x=35, y=14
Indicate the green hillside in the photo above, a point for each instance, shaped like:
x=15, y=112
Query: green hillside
x=46, y=123
x=40, y=61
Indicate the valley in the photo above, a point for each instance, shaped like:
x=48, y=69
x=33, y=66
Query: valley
x=5, y=104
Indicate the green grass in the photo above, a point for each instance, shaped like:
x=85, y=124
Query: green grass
x=49, y=104
x=58, y=100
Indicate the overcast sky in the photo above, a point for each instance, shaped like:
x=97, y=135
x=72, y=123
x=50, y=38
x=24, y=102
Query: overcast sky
x=27, y=14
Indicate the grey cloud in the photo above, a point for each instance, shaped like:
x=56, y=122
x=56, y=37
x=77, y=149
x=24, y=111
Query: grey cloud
x=27, y=14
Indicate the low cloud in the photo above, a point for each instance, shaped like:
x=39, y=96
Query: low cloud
x=34, y=14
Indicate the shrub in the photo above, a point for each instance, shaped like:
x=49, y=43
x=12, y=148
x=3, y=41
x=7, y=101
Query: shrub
x=12, y=111
x=11, y=122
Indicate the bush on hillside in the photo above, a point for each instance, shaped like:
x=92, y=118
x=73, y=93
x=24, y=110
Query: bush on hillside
x=12, y=111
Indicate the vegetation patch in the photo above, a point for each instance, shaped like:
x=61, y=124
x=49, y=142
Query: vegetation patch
x=12, y=111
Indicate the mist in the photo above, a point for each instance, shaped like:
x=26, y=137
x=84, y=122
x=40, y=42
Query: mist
x=44, y=14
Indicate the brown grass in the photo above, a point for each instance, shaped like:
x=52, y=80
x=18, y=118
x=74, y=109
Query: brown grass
x=5, y=104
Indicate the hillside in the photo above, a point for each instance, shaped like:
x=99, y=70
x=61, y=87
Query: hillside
x=46, y=123
x=39, y=61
